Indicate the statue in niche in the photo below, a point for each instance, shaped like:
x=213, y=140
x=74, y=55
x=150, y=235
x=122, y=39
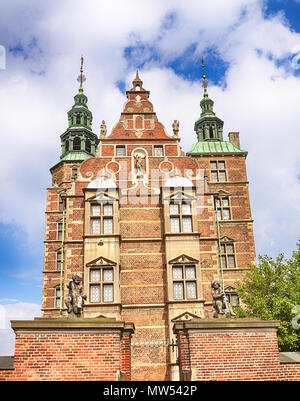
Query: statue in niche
x=220, y=304
x=103, y=129
x=76, y=297
x=175, y=127
x=139, y=165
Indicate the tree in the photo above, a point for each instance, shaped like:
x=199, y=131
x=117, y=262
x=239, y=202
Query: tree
x=270, y=291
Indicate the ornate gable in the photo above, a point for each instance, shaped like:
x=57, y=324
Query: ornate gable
x=101, y=261
x=185, y=316
x=183, y=259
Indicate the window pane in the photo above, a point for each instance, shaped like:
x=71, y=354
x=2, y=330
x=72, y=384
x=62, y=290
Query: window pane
x=190, y=272
x=213, y=165
x=230, y=248
x=221, y=165
x=178, y=290
x=108, y=293
x=95, y=226
x=191, y=290
x=57, y=292
x=224, y=262
x=177, y=272
x=107, y=210
x=158, y=151
x=57, y=303
x=187, y=224
x=219, y=214
x=214, y=176
x=222, y=176
x=107, y=226
x=120, y=151
x=175, y=227
x=174, y=209
x=223, y=249
x=108, y=275
x=218, y=202
x=231, y=261
x=186, y=208
x=234, y=300
x=225, y=202
x=95, y=210
x=95, y=293
x=226, y=214
x=95, y=275
x=59, y=235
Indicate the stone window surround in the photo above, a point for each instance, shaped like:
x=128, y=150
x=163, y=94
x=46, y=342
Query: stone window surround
x=217, y=170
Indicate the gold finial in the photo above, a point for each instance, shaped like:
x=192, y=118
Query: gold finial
x=81, y=78
x=202, y=64
x=204, y=83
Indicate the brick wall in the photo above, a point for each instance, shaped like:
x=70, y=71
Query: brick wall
x=71, y=349
x=239, y=349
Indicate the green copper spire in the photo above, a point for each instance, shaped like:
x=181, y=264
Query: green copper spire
x=208, y=127
x=209, y=130
x=79, y=141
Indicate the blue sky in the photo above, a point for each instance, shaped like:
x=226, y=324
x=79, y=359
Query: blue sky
x=251, y=50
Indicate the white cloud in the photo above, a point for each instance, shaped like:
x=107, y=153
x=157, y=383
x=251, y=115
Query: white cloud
x=260, y=98
x=14, y=311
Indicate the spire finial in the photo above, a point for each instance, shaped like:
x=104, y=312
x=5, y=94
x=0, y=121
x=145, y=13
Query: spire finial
x=204, y=83
x=81, y=78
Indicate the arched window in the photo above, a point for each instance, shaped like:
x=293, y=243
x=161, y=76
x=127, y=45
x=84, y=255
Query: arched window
x=88, y=145
x=85, y=120
x=77, y=118
x=211, y=133
x=67, y=146
x=76, y=143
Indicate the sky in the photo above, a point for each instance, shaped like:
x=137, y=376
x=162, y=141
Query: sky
x=252, y=57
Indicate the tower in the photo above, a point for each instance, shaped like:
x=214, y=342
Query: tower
x=146, y=226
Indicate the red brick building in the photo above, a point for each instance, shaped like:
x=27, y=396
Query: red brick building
x=146, y=226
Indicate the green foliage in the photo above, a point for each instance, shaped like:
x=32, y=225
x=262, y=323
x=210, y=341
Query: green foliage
x=269, y=291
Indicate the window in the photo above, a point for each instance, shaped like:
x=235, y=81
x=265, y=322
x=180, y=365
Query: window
x=58, y=260
x=88, y=145
x=85, y=120
x=67, y=146
x=228, y=256
x=232, y=298
x=223, y=208
x=57, y=298
x=74, y=172
x=102, y=285
x=120, y=151
x=184, y=282
x=218, y=171
x=158, y=151
x=61, y=203
x=77, y=143
x=78, y=119
x=180, y=217
x=59, y=230
x=102, y=221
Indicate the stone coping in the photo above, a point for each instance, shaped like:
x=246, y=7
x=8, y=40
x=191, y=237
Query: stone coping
x=71, y=323
x=289, y=357
x=225, y=324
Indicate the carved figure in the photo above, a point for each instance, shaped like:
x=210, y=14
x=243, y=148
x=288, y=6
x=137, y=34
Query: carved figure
x=103, y=129
x=175, y=127
x=220, y=305
x=139, y=160
x=75, y=298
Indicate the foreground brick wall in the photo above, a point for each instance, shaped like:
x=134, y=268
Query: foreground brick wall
x=62, y=349
x=231, y=350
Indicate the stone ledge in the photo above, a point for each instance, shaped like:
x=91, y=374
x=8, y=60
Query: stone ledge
x=100, y=323
x=225, y=324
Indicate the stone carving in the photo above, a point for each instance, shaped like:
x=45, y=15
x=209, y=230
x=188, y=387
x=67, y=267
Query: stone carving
x=103, y=129
x=175, y=127
x=220, y=304
x=75, y=298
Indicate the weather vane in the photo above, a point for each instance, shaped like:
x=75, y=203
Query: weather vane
x=81, y=78
x=204, y=84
